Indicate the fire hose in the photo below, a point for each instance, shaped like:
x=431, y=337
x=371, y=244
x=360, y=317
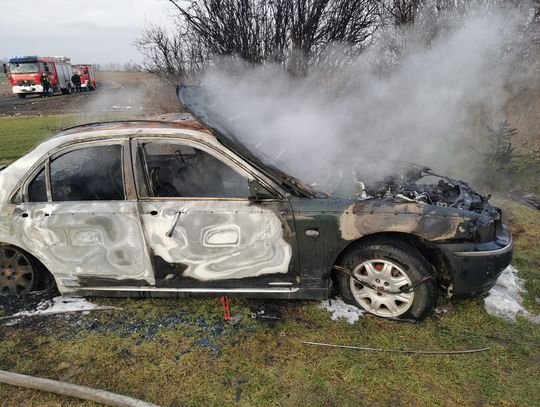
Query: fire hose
x=71, y=390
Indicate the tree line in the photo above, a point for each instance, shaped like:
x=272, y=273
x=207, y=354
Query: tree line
x=295, y=33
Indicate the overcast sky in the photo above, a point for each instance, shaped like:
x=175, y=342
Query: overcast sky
x=93, y=31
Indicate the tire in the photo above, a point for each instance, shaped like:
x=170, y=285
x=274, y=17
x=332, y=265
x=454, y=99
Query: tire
x=21, y=95
x=19, y=272
x=387, y=264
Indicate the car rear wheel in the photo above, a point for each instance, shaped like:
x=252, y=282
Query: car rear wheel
x=391, y=280
x=18, y=272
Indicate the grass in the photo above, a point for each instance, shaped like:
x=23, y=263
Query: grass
x=525, y=225
x=20, y=134
x=179, y=352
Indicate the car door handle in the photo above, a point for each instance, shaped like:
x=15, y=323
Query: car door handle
x=173, y=226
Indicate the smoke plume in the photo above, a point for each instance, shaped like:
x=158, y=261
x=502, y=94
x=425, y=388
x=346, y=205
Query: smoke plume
x=403, y=99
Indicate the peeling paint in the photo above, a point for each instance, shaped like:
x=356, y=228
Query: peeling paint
x=86, y=239
x=218, y=239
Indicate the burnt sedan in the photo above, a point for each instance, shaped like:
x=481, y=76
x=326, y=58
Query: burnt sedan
x=179, y=207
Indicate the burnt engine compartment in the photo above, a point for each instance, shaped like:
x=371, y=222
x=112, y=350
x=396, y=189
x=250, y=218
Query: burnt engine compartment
x=444, y=192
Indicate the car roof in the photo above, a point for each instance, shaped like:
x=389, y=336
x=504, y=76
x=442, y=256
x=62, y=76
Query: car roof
x=177, y=122
x=180, y=121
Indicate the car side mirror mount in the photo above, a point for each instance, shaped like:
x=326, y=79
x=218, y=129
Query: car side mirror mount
x=258, y=192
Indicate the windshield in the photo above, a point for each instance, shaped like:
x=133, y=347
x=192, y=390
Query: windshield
x=24, y=67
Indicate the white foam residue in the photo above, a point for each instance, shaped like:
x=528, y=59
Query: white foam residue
x=60, y=305
x=504, y=299
x=340, y=309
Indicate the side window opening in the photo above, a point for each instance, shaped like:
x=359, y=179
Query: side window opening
x=37, y=188
x=88, y=174
x=179, y=171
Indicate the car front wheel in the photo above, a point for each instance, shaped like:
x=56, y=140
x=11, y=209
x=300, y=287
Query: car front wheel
x=389, y=279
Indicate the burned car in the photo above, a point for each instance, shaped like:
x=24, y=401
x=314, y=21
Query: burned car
x=175, y=206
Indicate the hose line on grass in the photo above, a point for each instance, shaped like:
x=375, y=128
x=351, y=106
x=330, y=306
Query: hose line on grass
x=71, y=390
x=409, y=352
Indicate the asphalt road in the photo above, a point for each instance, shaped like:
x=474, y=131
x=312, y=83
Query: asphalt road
x=29, y=99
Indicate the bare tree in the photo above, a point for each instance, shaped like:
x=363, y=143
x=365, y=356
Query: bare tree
x=401, y=12
x=290, y=32
x=173, y=56
x=299, y=33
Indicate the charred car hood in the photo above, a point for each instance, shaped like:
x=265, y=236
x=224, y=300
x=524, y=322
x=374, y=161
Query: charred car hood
x=405, y=185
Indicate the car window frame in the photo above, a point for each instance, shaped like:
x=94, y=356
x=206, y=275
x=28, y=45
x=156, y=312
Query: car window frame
x=236, y=164
x=125, y=156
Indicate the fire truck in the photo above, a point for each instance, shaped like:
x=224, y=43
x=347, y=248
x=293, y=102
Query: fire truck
x=87, y=74
x=25, y=71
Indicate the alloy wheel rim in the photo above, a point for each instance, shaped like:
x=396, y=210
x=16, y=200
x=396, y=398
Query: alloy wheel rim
x=16, y=272
x=383, y=276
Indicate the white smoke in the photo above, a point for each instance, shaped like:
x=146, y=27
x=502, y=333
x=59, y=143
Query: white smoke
x=361, y=113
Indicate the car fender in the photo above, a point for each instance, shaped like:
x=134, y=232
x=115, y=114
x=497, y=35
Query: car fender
x=429, y=222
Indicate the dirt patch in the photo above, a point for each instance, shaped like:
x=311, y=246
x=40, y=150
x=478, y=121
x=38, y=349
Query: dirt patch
x=129, y=93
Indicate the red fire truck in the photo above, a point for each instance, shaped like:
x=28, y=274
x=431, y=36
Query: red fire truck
x=87, y=74
x=25, y=71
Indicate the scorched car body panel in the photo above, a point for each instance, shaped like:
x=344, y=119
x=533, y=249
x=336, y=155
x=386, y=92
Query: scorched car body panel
x=170, y=207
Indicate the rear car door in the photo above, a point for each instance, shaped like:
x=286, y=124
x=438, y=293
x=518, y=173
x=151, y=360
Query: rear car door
x=203, y=228
x=80, y=219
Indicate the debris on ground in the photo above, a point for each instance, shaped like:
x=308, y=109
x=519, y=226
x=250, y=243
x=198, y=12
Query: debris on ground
x=235, y=319
x=12, y=304
x=340, y=309
x=444, y=307
x=268, y=312
x=58, y=305
x=527, y=198
x=226, y=309
x=504, y=299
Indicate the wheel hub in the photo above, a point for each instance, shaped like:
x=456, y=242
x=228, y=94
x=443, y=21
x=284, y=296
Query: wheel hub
x=382, y=279
x=16, y=273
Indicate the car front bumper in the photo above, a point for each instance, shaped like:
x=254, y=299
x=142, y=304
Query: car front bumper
x=28, y=89
x=475, y=267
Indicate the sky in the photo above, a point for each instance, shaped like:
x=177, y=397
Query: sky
x=93, y=31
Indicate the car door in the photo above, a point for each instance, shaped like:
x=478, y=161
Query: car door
x=79, y=218
x=203, y=227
